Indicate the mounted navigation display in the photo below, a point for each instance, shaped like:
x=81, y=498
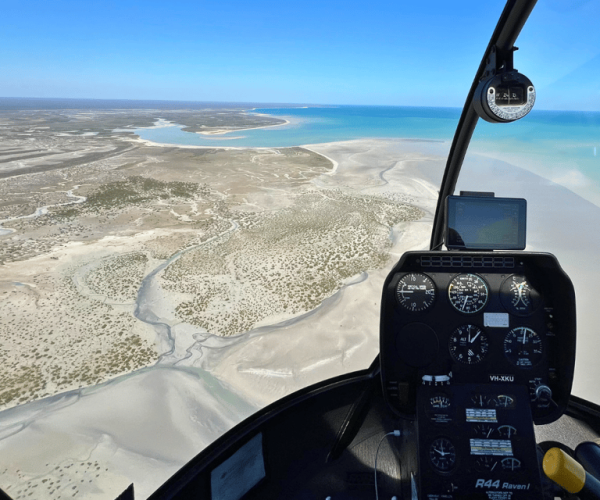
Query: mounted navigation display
x=485, y=223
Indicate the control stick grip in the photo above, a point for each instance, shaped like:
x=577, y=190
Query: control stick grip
x=570, y=475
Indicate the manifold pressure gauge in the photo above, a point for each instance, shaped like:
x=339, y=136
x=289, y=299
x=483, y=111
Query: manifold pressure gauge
x=415, y=292
x=505, y=97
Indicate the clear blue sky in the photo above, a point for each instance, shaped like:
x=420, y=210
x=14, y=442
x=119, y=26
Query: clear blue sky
x=326, y=51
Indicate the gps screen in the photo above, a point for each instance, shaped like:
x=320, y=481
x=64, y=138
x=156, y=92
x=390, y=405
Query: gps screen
x=485, y=223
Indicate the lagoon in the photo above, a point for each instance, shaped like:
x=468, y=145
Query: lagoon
x=559, y=145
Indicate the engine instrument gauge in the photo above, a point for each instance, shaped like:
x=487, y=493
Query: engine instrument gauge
x=480, y=400
x=523, y=347
x=484, y=430
x=442, y=454
x=505, y=401
x=415, y=292
x=468, y=293
x=510, y=463
x=468, y=344
x=518, y=296
x=486, y=462
x=507, y=431
x=439, y=401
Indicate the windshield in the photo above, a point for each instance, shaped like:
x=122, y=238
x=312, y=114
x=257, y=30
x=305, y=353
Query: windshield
x=173, y=260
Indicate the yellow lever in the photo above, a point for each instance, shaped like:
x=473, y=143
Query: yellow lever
x=564, y=470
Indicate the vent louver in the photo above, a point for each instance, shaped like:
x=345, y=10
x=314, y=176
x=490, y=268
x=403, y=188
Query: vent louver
x=467, y=261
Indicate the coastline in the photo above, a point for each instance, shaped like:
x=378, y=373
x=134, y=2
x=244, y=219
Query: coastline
x=226, y=379
x=227, y=131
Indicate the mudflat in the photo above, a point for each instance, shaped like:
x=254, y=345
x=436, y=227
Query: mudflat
x=224, y=277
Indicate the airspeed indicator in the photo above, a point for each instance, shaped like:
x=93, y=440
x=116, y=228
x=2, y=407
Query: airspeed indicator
x=468, y=293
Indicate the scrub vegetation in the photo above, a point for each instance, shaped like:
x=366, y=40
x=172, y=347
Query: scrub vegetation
x=284, y=262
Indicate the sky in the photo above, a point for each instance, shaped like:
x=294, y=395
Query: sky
x=315, y=51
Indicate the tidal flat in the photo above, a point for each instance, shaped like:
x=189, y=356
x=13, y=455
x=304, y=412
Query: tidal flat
x=210, y=281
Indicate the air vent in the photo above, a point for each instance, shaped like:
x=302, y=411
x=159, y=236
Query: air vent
x=467, y=261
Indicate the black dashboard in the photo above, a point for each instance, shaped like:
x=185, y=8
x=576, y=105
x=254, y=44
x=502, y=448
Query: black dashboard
x=476, y=347
x=478, y=317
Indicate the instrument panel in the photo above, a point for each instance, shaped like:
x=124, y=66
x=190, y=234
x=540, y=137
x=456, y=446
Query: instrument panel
x=478, y=317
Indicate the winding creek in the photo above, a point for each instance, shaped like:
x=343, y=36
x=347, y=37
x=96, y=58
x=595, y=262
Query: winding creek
x=41, y=211
x=149, y=295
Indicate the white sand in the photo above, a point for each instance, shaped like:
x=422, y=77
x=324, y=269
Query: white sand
x=142, y=427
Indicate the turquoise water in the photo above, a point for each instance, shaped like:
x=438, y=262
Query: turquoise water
x=325, y=124
x=561, y=145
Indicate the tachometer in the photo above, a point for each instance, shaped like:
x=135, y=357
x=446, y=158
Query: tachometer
x=468, y=293
x=523, y=347
x=415, y=292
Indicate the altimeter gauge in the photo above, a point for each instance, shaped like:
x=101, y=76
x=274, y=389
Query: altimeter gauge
x=518, y=296
x=442, y=454
x=523, y=347
x=468, y=293
x=468, y=344
x=415, y=292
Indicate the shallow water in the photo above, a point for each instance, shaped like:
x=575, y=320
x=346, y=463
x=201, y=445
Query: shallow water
x=559, y=145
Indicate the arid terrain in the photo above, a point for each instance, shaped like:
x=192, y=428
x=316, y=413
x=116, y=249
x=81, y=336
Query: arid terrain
x=119, y=256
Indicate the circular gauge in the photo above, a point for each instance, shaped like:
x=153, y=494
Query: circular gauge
x=504, y=401
x=523, y=347
x=439, y=402
x=468, y=344
x=510, y=463
x=439, y=409
x=507, y=431
x=442, y=454
x=486, y=462
x=415, y=292
x=468, y=293
x=518, y=296
x=484, y=430
x=480, y=400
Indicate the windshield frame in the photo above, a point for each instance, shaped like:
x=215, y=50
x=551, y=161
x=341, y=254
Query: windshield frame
x=501, y=45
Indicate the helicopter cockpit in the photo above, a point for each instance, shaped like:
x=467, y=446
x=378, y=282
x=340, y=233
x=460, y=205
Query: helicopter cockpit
x=477, y=346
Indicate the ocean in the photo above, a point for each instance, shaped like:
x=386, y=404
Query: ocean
x=562, y=146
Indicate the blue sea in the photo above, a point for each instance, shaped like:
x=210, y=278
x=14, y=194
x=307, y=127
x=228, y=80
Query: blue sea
x=563, y=146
